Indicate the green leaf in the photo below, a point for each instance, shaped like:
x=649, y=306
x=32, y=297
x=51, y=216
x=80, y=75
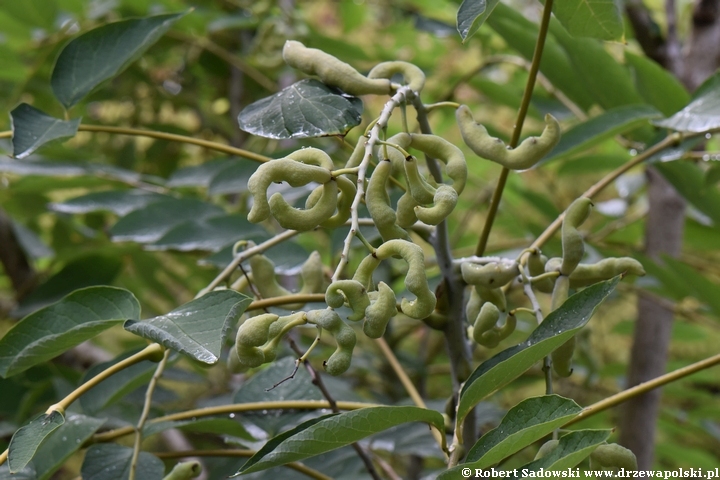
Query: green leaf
x=555, y=330
x=100, y=54
x=521, y=34
x=27, y=439
x=116, y=386
x=658, y=87
x=31, y=243
x=305, y=109
x=27, y=473
x=110, y=461
x=599, y=73
x=689, y=181
x=572, y=449
x=329, y=432
x=525, y=423
x=85, y=271
x=218, y=426
x=150, y=223
x=590, y=18
x=196, y=329
x=69, y=169
x=51, y=331
x=232, y=179
x=469, y=17
x=702, y=288
x=210, y=234
x=606, y=125
x=120, y=202
x=712, y=176
x=65, y=441
x=32, y=128
x=200, y=175
x=702, y=113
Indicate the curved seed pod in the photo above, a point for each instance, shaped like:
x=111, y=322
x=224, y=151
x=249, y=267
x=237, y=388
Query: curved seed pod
x=473, y=305
x=332, y=71
x=562, y=356
x=496, y=296
x=263, y=273
x=587, y=274
x=553, y=265
x=572, y=241
x=415, y=279
x=524, y=156
x=419, y=188
x=445, y=200
x=344, y=202
x=355, y=293
x=233, y=362
x=356, y=157
x=491, y=275
x=485, y=331
x=382, y=308
x=402, y=140
x=184, y=471
x=536, y=266
x=312, y=156
x=613, y=456
x=364, y=271
x=446, y=152
x=280, y=170
x=251, y=335
x=277, y=331
x=378, y=203
x=297, y=219
x=406, y=216
x=414, y=77
x=312, y=274
x=546, y=449
x=345, y=337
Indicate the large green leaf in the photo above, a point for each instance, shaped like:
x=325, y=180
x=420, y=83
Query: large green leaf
x=110, y=461
x=702, y=113
x=555, y=330
x=196, y=329
x=26, y=440
x=572, y=449
x=64, y=441
x=469, y=17
x=232, y=179
x=120, y=202
x=329, y=432
x=31, y=128
x=305, y=109
x=69, y=169
x=209, y=234
x=590, y=18
x=150, y=223
x=658, y=87
x=606, y=125
x=51, y=331
x=525, y=423
x=116, y=386
x=86, y=271
x=27, y=473
x=200, y=175
x=702, y=288
x=521, y=34
x=102, y=53
x=689, y=181
x=219, y=426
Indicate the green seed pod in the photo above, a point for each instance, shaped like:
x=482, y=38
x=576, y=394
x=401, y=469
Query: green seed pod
x=560, y=292
x=588, y=274
x=485, y=331
x=546, y=449
x=572, y=241
x=313, y=274
x=263, y=273
x=251, y=335
x=378, y=203
x=382, y=308
x=406, y=216
x=184, y=471
x=356, y=157
x=473, y=305
x=355, y=293
x=364, y=271
x=553, y=265
x=419, y=188
x=562, y=356
x=496, y=296
x=524, y=156
x=312, y=156
x=415, y=279
x=414, y=77
x=613, y=457
x=536, y=266
x=445, y=200
x=491, y=275
x=296, y=219
x=446, y=152
x=332, y=71
x=345, y=337
x=344, y=202
x=277, y=331
x=281, y=170
x=402, y=140
x=233, y=362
